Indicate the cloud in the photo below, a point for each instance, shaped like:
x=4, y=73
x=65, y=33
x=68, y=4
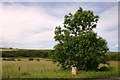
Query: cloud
x=116, y=45
x=22, y=24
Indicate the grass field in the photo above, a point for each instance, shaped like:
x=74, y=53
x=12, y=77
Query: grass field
x=47, y=69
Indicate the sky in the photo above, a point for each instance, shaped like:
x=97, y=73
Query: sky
x=31, y=25
x=61, y=0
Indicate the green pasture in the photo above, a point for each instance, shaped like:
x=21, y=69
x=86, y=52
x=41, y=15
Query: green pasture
x=45, y=68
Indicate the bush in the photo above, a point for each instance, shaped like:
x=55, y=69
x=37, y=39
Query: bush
x=4, y=59
x=10, y=59
x=103, y=67
x=31, y=59
x=18, y=59
x=37, y=59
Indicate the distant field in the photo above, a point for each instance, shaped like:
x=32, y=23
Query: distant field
x=46, y=69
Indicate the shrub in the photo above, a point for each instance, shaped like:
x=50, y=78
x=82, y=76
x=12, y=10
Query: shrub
x=31, y=59
x=18, y=59
x=10, y=59
x=103, y=67
x=4, y=59
x=37, y=59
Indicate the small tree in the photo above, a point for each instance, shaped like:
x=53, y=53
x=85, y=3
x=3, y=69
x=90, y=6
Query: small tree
x=78, y=45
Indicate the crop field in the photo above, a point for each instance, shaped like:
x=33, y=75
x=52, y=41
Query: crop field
x=45, y=68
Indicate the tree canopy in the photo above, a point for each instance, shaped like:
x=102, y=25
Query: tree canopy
x=78, y=45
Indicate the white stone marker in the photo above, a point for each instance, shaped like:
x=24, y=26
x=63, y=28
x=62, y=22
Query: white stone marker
x=74, y=71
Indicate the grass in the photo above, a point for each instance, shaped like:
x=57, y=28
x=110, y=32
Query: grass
x=47, y=69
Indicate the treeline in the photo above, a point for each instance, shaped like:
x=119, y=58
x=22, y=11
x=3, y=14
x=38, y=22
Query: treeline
x=47, y=54
x=27, y=53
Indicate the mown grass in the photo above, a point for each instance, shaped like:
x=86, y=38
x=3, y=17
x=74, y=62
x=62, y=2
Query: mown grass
x=47, y=69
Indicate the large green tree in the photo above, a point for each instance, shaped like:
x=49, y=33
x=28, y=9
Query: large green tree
x=78, y=45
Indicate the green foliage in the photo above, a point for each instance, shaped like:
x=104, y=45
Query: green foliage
x=111, y=55
x=27, y=53
x=78, y=45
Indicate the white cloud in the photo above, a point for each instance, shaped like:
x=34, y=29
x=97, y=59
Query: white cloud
x=116, y=45
x=22, y=24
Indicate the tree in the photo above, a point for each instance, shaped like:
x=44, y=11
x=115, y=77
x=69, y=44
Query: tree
x=78, y=45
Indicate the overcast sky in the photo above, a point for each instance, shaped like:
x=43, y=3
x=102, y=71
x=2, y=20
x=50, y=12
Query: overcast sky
x=31, y=25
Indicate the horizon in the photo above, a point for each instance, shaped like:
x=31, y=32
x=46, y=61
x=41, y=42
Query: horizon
x=39, y=49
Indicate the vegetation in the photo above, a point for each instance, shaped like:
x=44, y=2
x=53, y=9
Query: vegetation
x=47, y=69
x=31, y=59
x=114, y=56
x=21, y=67
x=27, y=53
x=78, y=45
